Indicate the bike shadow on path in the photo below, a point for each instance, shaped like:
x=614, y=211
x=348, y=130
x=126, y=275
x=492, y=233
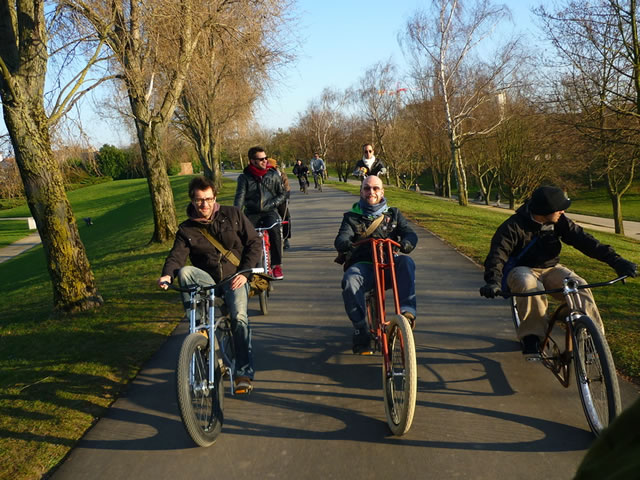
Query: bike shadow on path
x=331, y=392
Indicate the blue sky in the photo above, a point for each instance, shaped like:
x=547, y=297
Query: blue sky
x=340, y=40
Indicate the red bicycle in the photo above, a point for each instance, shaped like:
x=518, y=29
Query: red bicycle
x=263, y=294
x=393, y=337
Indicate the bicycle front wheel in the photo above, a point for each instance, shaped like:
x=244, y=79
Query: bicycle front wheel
x=595, y=375
x=400, y=382
x=200, y=403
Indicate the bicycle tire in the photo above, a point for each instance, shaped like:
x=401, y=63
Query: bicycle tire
x=201, y=407
x=401, y=385
x=320, y=181
x=264, y=302
x=595, y=375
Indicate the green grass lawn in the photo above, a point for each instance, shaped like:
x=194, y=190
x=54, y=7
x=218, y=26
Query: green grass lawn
x=58, y=374
x=597, y=203
x=12, y=230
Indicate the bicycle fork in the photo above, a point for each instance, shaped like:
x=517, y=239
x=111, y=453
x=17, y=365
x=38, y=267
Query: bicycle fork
x=209, y=329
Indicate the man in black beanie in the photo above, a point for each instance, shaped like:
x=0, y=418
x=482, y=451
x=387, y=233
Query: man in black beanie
x=533, y=237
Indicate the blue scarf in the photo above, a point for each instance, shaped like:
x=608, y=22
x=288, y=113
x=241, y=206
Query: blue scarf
x=373, y=211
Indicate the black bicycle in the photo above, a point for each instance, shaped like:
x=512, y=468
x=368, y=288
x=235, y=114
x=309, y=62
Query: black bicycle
x=203, y=364
x=584, y=343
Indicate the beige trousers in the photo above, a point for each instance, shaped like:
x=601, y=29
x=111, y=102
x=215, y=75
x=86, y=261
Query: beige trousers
x=533, y=310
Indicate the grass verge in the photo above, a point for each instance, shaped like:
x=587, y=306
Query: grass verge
x=58, y=374
x=12, y=231
x=469, y=230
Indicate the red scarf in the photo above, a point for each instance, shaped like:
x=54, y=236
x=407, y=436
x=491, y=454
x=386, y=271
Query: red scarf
x=257, y=172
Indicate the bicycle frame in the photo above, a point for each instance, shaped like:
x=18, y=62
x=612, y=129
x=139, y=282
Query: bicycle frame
x=381, y=249
x=574, y=308
x=266, y=245
x=206, y=294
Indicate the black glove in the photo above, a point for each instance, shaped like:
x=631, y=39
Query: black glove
x=406, y=246
x=490, y=290
x=625, y=267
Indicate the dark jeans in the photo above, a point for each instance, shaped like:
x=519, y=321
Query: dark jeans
x=236, y=302
x=275, y=234
x=359, y=279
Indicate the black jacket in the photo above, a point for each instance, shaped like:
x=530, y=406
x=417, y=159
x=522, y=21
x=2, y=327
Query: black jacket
x=519, y=229
x=376, y=168
x=259, y=195
x=354, y=224
x=231, y=228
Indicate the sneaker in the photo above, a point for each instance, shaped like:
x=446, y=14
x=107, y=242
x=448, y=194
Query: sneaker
x=362, y=342
x=531, y=348
x=277, y=272
x=411, y=317
x=242, y=386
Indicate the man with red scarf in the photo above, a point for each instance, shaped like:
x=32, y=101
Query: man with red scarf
x=259, y=193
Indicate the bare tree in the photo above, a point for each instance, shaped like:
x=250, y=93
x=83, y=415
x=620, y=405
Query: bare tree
x=378, y=96
x=154, y=43
x=24, y=37
x=444, y=49
x=599, y=86
x=231, y=72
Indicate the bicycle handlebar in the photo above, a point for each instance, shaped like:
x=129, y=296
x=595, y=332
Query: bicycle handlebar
x=560, y=290
x=371, y=240
x=206, y=288
x=279, y=222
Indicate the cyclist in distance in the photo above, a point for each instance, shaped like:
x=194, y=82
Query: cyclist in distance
x=283, y=208
x=259, y=193
x=533, y=238
x=317, y=168
x=235, y=233
x=301, y=171
x=369, y=164
x=358, y=277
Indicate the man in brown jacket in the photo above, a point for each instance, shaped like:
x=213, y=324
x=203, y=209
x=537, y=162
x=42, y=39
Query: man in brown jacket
x=233, y=230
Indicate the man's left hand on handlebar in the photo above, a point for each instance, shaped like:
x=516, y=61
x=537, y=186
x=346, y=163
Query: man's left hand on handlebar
x=238, y=281
x=625, y=267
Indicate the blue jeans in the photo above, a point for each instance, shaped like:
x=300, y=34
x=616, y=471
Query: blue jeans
x=236, y=301
x=359, y=279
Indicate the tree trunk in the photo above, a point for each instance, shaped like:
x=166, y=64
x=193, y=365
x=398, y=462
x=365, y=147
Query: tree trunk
x=150, y=136
x=74, y=287
x=461, y=176
x=617, y=213
x=24, y=67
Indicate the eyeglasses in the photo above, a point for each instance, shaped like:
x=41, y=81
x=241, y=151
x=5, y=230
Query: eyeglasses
x=259, y=159
x=202, y=201
x=373, y=189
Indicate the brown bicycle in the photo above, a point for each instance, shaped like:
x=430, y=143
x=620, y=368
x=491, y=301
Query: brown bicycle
x=573, y=336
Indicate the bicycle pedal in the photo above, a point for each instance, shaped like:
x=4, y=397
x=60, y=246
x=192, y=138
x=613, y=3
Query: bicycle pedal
x=533, y=357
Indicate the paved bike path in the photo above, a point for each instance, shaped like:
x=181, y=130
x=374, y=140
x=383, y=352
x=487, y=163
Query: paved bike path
x=317, y=411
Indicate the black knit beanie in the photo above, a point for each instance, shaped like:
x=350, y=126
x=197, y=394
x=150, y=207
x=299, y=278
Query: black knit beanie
x=546, y=200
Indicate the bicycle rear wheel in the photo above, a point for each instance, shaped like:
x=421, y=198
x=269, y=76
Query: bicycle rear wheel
x=400, y=383
x=201, y=404
x=595, y=375
x=264, y=302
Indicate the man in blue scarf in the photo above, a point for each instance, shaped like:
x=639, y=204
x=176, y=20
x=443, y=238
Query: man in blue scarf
x=359, y=276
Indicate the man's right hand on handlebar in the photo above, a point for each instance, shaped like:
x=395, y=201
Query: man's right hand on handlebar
x=490, y=290
x=164, y=282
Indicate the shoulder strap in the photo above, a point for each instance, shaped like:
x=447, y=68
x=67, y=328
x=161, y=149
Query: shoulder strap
x=373, y=226
x=228, y=254
x=527, y=247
